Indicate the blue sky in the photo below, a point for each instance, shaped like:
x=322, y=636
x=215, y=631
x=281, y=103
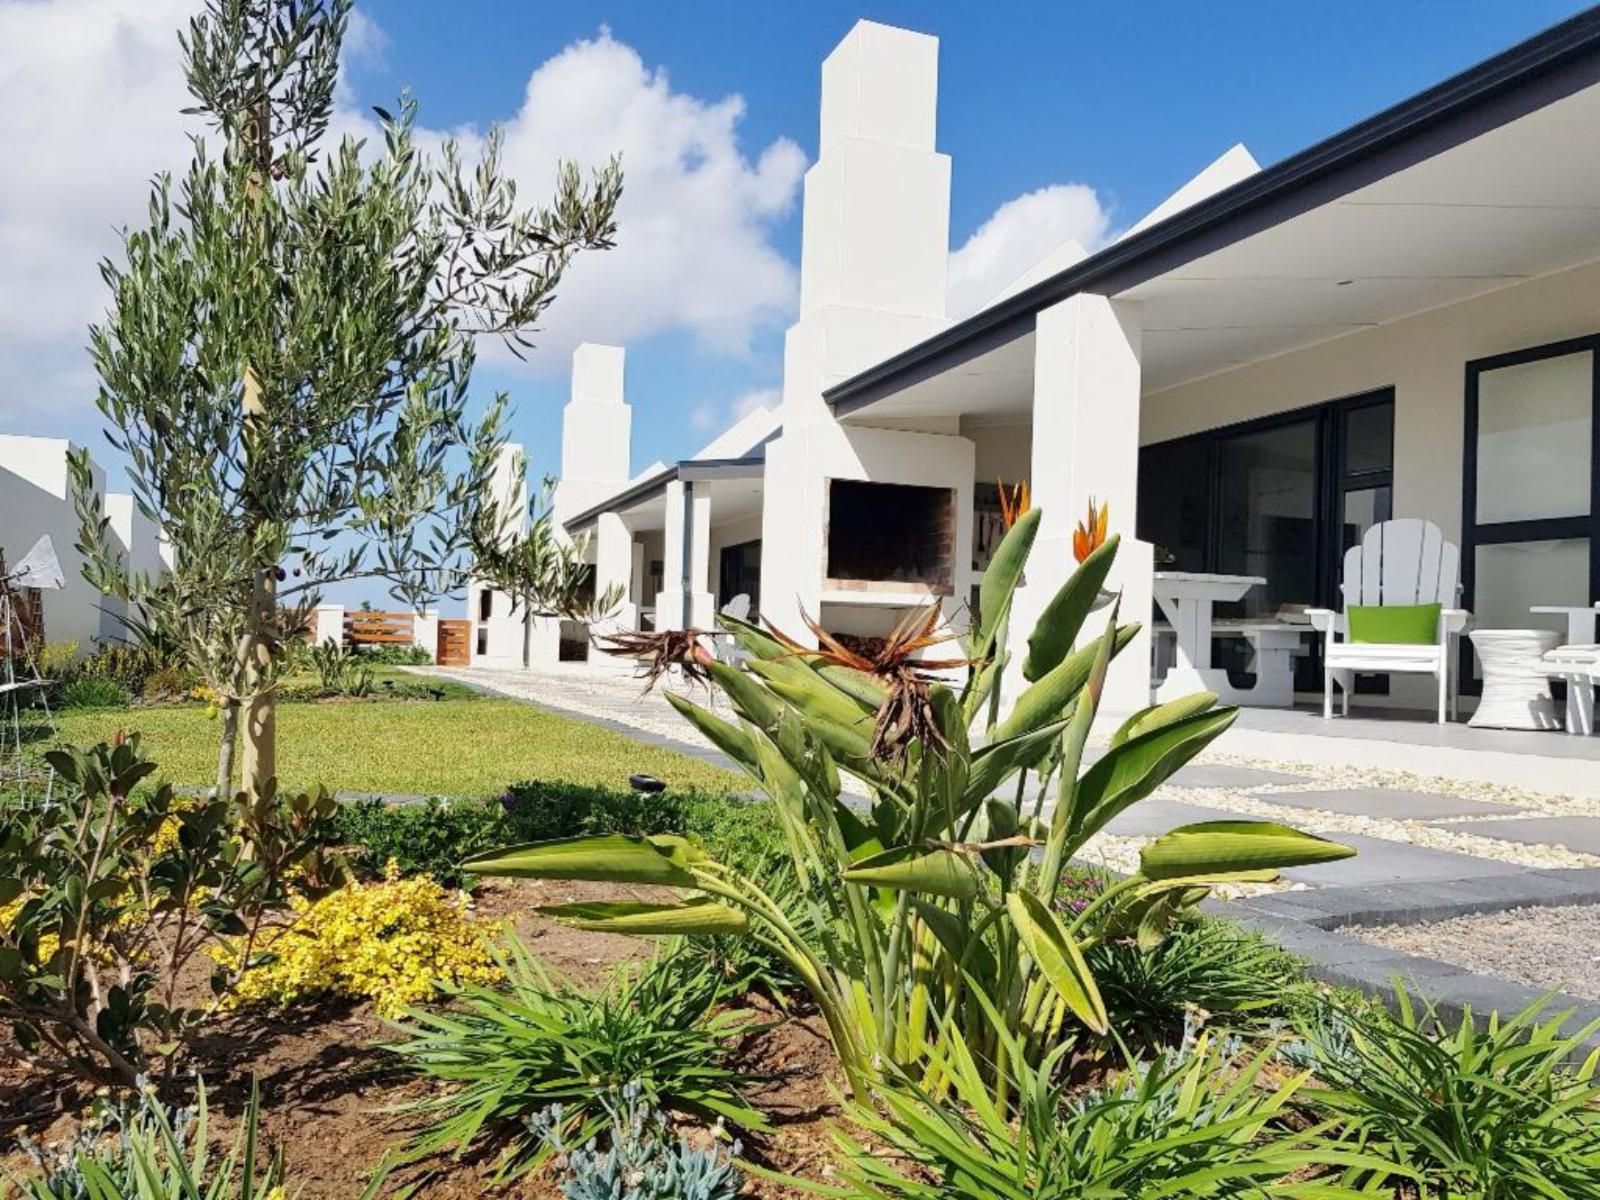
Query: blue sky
x=1091, y=112
x=1130, y=99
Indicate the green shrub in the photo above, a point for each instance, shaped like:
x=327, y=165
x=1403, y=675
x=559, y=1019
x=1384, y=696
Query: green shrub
x=507, y=1055
x=1201, y=964
x=91, y=692
x=430, y=838
x=340, y=672
x=396, y=656
x=169, y=683
x=154, y=1154
x=1501, y=1113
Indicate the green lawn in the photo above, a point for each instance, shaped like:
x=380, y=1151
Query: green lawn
x=447, y=748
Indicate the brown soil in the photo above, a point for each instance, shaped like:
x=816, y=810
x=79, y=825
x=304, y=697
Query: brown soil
x=327, y=1091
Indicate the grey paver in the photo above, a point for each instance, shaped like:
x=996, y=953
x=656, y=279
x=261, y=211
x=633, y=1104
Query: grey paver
x=1226, y=775
x=1379, y=861
x=1387, y=802
x=1575, y=833
x=1153, y=817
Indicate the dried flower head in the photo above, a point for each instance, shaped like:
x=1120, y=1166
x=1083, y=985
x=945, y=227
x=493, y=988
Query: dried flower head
x=658, y=651
x=1090, y=534
x=906, y=714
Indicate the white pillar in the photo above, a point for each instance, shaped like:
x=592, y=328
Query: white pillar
x=613, y=566
x=327, y=626
x=596, y=425
x=1086, y=387
x=425, y=631
x=686, y=598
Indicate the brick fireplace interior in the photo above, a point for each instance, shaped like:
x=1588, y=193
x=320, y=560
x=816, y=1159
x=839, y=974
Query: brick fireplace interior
x=890, y=537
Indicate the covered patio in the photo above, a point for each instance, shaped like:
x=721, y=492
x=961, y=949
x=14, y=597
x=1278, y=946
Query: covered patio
x=1399, y=322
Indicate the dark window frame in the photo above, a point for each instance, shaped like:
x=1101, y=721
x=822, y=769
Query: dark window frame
x=1333, y=482
x=1541, y=529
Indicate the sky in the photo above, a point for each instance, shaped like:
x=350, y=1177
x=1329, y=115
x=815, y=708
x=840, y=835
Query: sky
x=1062, y=120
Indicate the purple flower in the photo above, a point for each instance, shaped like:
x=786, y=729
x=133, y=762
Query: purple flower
x=508, y=800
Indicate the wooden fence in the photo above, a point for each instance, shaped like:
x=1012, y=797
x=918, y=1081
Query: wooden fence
x=378, y=629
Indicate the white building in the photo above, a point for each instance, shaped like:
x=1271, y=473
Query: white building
x=35, y=500
x=1402, y=320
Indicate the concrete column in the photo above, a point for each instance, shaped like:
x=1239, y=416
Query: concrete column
x=686, y=599
x=613, y=565
x=1086, y=388
x=425, y=631
x=327, y=625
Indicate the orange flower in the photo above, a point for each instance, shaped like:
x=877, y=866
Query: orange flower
x=1090, y=535
x=1015, y=506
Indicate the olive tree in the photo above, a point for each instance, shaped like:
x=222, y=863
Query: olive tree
x=287, y=356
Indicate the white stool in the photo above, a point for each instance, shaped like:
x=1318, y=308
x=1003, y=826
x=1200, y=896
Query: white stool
x=1516, y=686
x=1576, y=666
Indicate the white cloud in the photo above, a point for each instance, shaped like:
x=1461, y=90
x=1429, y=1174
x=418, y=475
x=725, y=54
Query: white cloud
x=694, y=244
x=90, y=92
x=1019, y=233
x=709, y=415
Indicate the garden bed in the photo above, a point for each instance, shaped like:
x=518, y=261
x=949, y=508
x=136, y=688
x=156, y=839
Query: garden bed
x=327, y=1088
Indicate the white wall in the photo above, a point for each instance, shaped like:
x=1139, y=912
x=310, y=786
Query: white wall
x=36, y=499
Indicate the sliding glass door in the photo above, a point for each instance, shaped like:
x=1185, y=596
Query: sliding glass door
x=1281, y=498
x=1532, y=496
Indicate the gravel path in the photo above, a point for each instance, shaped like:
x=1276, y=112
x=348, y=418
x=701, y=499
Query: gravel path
x=1541, y=947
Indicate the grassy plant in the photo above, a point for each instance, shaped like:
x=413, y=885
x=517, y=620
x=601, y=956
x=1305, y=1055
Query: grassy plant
x=1199, y=1123
x=459, y=748
x=508, y=1055
x=157, y=1154
x=92, y=692
x=935, y=902
x=1201, y=964
x=1507, y=1112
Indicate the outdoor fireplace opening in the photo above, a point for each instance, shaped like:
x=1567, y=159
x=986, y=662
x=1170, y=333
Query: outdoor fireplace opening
x=885, y=536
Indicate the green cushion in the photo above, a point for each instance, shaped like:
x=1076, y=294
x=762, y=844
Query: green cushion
x=1394, y=624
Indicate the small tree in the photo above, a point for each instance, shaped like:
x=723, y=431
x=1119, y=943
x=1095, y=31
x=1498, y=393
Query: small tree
x=543, y=571
x=287, y=356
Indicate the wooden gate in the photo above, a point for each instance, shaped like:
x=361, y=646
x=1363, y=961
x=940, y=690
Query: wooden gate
x=455, y=644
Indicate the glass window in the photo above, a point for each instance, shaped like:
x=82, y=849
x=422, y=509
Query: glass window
x=1175, y=503
x=1369, y=438
x=1511, y=577
x=1268, y=523
x=1534, y=436
x=1363, y=508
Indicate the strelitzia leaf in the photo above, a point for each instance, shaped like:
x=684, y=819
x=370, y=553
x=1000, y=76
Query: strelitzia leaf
x=1000, y=581
x=1048, y=699
x=700, y=915
x=1057, y=628
x=1159, y=715
x=1130, y=772
x=1058, y=958
x=1217, y=847
x=730, y=739
x=999, y=761
x=607, y=858
x=912, y=869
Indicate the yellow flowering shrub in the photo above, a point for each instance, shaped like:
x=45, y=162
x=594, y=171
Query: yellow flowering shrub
x=390, y=941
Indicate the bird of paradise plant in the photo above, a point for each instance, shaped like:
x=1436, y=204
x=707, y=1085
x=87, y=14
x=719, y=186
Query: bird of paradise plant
x=928, y=914
x=1015, y=504
x=1090, y=534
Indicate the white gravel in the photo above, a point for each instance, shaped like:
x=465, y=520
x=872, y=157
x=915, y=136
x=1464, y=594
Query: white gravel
x=1555, y=948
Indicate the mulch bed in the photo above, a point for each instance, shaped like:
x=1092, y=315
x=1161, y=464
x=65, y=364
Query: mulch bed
x=328, y=1092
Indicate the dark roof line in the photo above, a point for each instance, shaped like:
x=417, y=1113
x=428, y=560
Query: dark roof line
x=688, y=469
x=1546, y=67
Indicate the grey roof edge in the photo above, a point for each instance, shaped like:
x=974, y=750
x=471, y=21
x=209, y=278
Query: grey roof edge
x=688, y=470
x=1521, y=79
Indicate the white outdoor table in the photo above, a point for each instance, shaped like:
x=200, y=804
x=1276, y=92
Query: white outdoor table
x=1186, y=599
x=1577, y=666
x=1580, y=620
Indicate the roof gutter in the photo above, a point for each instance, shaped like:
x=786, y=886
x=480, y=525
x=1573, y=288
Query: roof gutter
x=1530, y=75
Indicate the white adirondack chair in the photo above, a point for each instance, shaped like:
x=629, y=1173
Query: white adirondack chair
x=1403, y=561
x=722, y=644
